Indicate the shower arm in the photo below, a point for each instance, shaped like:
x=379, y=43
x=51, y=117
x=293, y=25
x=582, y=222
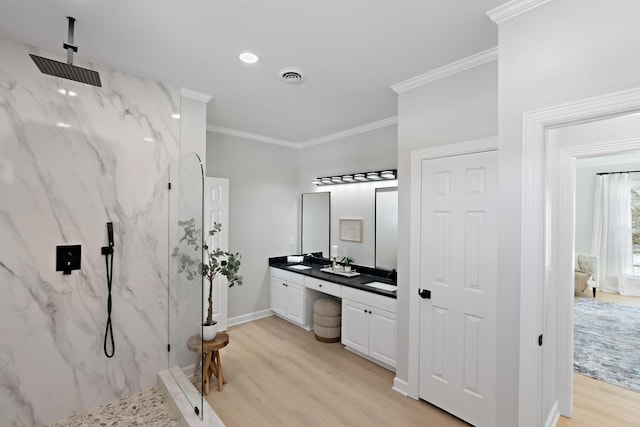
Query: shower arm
x=69, y=44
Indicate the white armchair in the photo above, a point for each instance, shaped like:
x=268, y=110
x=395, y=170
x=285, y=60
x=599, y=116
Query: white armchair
x=586, y=273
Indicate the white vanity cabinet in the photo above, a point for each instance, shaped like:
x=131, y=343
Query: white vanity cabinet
x=369, y=325
x=289, y=299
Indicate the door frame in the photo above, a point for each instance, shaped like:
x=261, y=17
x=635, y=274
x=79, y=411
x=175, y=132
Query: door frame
x=221, y=281
x=417, y=156
x=534, y=247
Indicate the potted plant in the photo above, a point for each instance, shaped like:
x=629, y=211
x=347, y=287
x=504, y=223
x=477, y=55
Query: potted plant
x=217, y=263
x=346, y=263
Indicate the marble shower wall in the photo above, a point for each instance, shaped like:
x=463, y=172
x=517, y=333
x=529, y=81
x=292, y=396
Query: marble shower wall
x=60, y=185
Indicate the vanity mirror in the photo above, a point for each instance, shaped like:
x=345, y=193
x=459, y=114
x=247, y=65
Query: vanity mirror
x=316, y=222
x=386, y=228
x=331, y=218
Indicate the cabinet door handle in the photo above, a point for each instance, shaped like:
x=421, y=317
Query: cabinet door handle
x=369, y=311
x=284, y=284
x=365, y=311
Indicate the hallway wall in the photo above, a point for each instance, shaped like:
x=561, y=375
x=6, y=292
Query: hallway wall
x=559, y=52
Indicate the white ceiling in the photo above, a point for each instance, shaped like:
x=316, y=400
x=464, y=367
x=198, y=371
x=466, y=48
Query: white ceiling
x=352, y=51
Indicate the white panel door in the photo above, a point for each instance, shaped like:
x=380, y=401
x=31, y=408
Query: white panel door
x=216, y=209
x=355, y=326
x=278, y=296
x=382, y=336
x=295, y=302
x=459, y=267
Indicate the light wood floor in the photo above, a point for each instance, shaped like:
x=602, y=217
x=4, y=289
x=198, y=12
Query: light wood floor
x=610, y=297
x=279, y=375
x=597, y=403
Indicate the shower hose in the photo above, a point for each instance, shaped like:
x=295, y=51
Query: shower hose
x=108, y=333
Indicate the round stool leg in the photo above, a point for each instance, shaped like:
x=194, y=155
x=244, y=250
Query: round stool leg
x=206, y=369
x=221, y=379
x=197, y=372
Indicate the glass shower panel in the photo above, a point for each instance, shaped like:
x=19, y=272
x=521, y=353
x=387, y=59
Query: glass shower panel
x=185, y=315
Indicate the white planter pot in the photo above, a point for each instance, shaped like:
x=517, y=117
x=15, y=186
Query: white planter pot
x=209, y=332
x=347, y=268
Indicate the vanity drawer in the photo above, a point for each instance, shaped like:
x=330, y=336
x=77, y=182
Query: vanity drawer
x=287, y=275
x=323, y=286
x=369, y=298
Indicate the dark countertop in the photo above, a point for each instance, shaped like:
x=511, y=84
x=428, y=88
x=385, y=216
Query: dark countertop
x=367, y=274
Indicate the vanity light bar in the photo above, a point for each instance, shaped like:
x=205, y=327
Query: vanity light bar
x=385, y=175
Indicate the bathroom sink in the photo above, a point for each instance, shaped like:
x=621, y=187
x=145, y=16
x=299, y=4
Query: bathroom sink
x=383, y=286
x=299, y=267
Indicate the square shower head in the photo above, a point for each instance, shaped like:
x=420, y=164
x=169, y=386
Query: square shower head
x=67, y=71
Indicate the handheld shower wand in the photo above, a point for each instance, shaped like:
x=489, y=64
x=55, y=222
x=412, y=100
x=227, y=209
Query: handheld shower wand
x=107, y=251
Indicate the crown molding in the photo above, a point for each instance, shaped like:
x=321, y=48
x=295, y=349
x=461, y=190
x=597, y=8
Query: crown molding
x=299, y=145
x=389, y=121
x=626, y=150
x=253, y=136
x=447, y=70
x=192, y=94
x=513, y=8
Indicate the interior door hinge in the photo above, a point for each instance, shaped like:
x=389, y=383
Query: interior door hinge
x=540, y=340
x=169, y=186
x=168, y=347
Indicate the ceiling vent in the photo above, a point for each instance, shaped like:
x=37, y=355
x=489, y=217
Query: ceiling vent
x=292, y=75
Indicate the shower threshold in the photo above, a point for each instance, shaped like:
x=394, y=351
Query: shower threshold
x=171, y=382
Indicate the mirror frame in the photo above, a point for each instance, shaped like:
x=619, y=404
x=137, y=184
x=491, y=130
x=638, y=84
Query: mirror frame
x=375, y=240
x=326, y=250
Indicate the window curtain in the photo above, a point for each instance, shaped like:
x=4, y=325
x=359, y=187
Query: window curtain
x=612, y=233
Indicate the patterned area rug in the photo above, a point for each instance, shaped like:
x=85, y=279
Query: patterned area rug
x=607, y=342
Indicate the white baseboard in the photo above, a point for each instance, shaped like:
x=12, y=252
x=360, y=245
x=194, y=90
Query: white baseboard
x=554, y=416
x=400, y=386
x=370, y=359
x=189, y=370
x=233, y=321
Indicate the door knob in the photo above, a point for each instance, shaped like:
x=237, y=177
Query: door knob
x=424, y=293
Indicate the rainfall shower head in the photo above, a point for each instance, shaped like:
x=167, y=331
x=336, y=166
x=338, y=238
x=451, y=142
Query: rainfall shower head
x=67, y=71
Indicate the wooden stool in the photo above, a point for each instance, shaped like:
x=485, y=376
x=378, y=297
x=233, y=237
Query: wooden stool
x=209, y=351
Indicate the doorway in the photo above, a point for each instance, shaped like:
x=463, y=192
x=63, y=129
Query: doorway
x=546, y=380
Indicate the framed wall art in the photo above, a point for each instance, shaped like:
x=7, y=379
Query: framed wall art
x=351, y=230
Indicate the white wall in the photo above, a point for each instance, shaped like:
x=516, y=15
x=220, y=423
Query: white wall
x=614, y=129
x=263, y=210
x=562, y=51
x=370, y=151
x=458, y=108
x=266, y=183
x=60, y=186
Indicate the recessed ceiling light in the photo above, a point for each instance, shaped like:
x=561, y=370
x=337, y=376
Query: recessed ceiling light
x=64, y=125
x=71, y=93
x=148, y=139
x=248, y=57
x=175, y=116
x=62, y=91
